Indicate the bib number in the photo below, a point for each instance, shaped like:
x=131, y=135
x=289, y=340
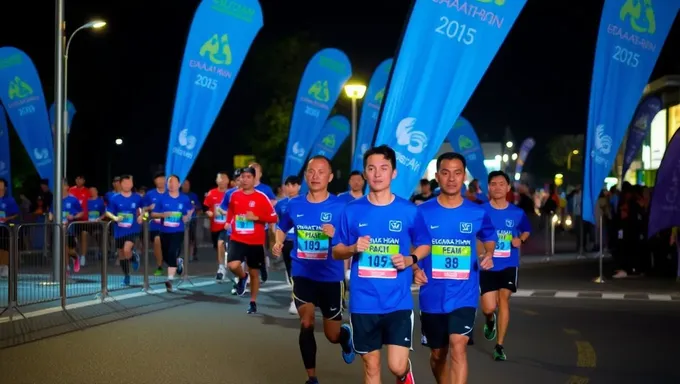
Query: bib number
x=243, y=225
x=219, y=218
x=173, y=221
x=127, y=220
x=451, y=262
x=312, y=245
x=504, y=245
x=376, y=262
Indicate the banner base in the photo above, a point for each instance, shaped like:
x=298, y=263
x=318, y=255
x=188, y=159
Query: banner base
x=599, y=280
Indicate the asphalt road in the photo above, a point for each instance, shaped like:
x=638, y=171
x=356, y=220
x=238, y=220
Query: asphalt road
x=203, y=335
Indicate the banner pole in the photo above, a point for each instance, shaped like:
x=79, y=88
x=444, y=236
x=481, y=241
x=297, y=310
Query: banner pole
x=57, y=181
x=600, y=279
x=354, y=132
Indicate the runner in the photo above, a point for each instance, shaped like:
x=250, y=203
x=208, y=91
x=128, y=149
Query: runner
x=70, y=211
x=222, y=209
x=80, y=192
x=174, y=209
x=291, y=188
x=498, y=284
x=96, y=212
x=218, y=220
x=125, y=209
x=197, y=210
x=377, y=231
x=449, y=294
x=9, y=214
x=115, y=184
x=267, y=190
x=317, y=277
x=356, y=190
x=155, y=225
x=249, y=210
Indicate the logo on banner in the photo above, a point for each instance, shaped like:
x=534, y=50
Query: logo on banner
x=19, y=89
x=298, y=150
x=329, y=141
x=642, y=123
x=641, y=15
x=186, y=143
x=217, y=49
x=42, y=156
x=379, y=96
x=319, y=91
x=464, y=142
x=364, y=148
x=499, y=3
x=415, y=141
x=603, y=146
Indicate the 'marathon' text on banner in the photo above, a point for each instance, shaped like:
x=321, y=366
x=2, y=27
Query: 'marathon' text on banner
x=320, y=86
x=219, y=39
x=446, y=49
x=21, y=93
x=629, y=41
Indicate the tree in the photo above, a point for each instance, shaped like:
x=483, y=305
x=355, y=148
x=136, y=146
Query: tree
x=561, y=147
x=277, y=71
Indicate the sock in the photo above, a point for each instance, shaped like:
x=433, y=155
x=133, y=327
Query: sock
x=125, y=266
x=344, y=339
x=308, y=347
x=171, y=272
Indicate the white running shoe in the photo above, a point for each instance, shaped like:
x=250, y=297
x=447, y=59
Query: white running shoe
x=292, y=309
x=83, y=260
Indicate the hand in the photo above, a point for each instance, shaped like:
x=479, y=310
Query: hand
x=276, y=249
x=210, y=214
x=50, y=217
x=140, y=219
x=250, y=216
x=486, y=262
x=167, y=214
x=69, y=217
x=516, y=242
x=419, y=277
x=186, y=218
x=400, y=262
x=118, y=219
x=328, y=230
x=227, y=226
x=362, y=243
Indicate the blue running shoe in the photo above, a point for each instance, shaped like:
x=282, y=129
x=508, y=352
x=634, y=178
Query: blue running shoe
x=252, y=308
x=241, y=287
x=135, y=261
x=312, y=380
x=126, y=280
x=180, y=266
x=348, y=353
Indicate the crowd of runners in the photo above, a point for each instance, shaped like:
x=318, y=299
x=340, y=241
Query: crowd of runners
x=373, y=246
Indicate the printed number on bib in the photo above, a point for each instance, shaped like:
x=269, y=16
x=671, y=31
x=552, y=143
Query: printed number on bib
x=451, y=262
x=312, y=245
x=173, y=220
x=219, y=218
x=244, y=225
x=127, y=219
x=376, y=261
x=504, y=244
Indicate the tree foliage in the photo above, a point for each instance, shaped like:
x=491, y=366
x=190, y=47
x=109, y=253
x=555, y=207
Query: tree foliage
x=561, y=146
x=279, y=67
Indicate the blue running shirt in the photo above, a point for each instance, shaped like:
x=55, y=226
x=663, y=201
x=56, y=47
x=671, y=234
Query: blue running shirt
x=128, y=208
x=510, y=223
x=178, y=207
x=149, y=199
x=452, y=268
x=312, y=253
x=376, y=286
x=281, y=209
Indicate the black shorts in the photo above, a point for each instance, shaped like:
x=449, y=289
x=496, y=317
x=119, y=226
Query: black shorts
x=154, y=234
x=490, y=281
x=216, y=236
x=70, y=241
x=437, y=327
x=326, y=295
x=253, y=255
x=192, y=230
x=120, y=241
x=371, y=332
x=4, y=238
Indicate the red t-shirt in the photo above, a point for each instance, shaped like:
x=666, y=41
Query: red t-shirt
x=242, y=230
x=212, y=200
x=82, y=194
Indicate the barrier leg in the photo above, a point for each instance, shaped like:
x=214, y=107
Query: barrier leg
x=548, y=242
x=145, y=254
x=187, y=257
x=104, y=293
x=13, y=281
x=581, y=239
x=600, y=278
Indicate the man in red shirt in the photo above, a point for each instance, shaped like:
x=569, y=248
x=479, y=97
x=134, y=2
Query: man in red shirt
x=248, y=212
x=80, y=192
x=212, y=201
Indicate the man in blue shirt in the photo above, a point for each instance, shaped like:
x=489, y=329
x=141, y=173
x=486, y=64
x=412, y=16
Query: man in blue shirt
x=317, y=277
x=291, y=189
x=148, y=203
x=125, y=210
x=450, y=276
x=9, y=212
x=378, y=231
x=497, y=284
x=356, y=187
x=197, y=210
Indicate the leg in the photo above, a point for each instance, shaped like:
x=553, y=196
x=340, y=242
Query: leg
x=330, y=295
x=305, y=296
x=367, y=337
x=398, y=327
x=460, y=324
x=434, y=328
x=83, y=247
x=235, y=259
x=157, y=250
x=488, y=284
x=255, y=259
x=503, y=314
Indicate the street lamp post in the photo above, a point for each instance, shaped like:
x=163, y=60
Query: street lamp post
x=572, y=153
x=58, y=189
x=354, y=92
x=96, y=24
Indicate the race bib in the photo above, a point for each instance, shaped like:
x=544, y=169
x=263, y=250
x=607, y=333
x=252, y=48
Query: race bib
x=243, y=225
x=451, y=262
x=93, y=215
x=64, y=217
x=376, y=261
x=127, y=220
x=312, y=245
x=3, y=215
x=173, y=221
x=219, y=218
x=504, y=244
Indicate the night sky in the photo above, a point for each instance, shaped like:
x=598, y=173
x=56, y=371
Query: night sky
x=122, y=79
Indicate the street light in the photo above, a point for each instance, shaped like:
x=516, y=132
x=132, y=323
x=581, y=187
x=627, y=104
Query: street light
x=505, y=158
x=119, y=141
x=509, y=144
x=94, y=24
x=354, y=92
x=572, y=153
x=514, y=156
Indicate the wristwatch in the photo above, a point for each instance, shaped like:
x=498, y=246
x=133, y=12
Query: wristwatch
x=415, y=258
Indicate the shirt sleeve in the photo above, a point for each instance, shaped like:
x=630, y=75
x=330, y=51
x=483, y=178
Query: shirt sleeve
x=224, y=205
x=524, y=224
x=77, y=207
x=420, y=235
x=343, y=235
x=487, y=232
x=111, y=207
x=268, y=214
x=270, y=193
x=285, y=222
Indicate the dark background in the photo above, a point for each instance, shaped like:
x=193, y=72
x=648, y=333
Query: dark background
x=122, y=79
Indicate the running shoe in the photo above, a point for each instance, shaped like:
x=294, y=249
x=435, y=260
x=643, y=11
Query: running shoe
x=252, y=308
x=499, y=353
x=490, y=329
x=348, y=354
x=241, y=287
x=180, y=266
x=135, y=261
x=158, y=271
x=76, y=264
x=126, y=280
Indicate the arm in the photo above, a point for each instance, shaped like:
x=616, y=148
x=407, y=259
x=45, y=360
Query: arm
x=421, y=240
x=268, y=213
x=12, y=211
x=79, y=211
x=156, y=212
x=342, y=251
x=280, y=236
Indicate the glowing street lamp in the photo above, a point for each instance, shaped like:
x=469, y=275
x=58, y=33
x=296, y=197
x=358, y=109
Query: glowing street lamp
x=354, y=92
x=119, y=141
